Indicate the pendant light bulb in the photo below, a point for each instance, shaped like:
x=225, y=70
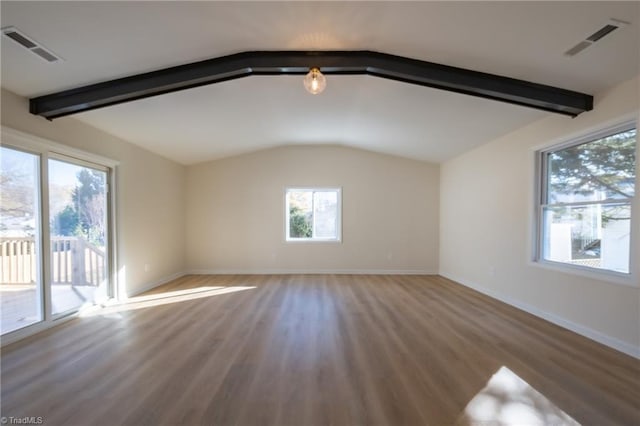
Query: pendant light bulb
x=314, y=81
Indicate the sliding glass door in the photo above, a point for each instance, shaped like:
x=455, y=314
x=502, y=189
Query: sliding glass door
x=78, y=235
x=20, y=247
x=54, y=237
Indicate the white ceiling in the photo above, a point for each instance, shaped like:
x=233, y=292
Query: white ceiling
x=105, y=40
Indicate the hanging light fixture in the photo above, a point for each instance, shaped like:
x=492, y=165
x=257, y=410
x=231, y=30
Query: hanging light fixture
x=314, y=81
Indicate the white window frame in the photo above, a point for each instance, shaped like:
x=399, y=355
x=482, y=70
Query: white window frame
x=338, y=237
x=47, y=149
x=541, y=202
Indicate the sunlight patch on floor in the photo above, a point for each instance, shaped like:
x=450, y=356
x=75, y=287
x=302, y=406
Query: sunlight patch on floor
x=158, y=299
x=509, y=400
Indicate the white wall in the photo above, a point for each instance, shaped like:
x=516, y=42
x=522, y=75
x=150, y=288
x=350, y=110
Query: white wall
x=150, y=194
x=235, y=212
x=487, y=221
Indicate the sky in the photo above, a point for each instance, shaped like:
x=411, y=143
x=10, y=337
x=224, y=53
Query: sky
x=60, y=172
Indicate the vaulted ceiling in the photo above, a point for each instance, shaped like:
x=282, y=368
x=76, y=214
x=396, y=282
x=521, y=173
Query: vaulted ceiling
x=105, y=40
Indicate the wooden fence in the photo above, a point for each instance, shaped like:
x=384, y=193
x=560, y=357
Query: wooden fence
x=73, y=261
x=19, y=260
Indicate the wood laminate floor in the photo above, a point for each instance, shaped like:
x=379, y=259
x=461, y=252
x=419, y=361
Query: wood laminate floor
x=316, y=350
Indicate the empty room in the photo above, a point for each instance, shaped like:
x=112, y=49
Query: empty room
x=319, y=213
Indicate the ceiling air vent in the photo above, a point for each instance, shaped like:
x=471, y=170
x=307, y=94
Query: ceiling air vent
x=30, y=44
x=608, y=28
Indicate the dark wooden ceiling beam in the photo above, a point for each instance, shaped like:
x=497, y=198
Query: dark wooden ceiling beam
x=377, y=64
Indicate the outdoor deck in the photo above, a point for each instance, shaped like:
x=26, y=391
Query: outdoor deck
x=20, y=303
x=78, y=273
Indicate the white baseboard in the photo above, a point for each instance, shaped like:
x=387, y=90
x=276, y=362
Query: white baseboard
x=590, y=333
x=150, y=285
x=310, y=271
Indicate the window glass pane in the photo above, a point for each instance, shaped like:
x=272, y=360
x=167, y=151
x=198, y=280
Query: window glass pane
x=20, y=287
x=325, y=212
x=78, y=218
x=314, y=214
x=597, y=236
x=594, y=171
x=300, y=214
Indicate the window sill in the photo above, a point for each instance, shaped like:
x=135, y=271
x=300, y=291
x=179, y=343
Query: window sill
x=311, y=240
x=613, y=277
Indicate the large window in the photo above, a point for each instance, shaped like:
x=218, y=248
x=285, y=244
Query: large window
x=78, y=235
x=54, y=232
x=312, y=214
x=585, y=204
x=20, y=242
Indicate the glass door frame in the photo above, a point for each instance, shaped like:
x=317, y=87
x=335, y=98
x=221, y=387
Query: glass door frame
x=46, y=149
x=38, y=238
x=48, y=267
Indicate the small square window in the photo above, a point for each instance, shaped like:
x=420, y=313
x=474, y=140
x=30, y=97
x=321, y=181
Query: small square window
x=313, y=214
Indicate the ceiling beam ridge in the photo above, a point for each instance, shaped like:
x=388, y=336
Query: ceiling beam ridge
x=360, y=62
